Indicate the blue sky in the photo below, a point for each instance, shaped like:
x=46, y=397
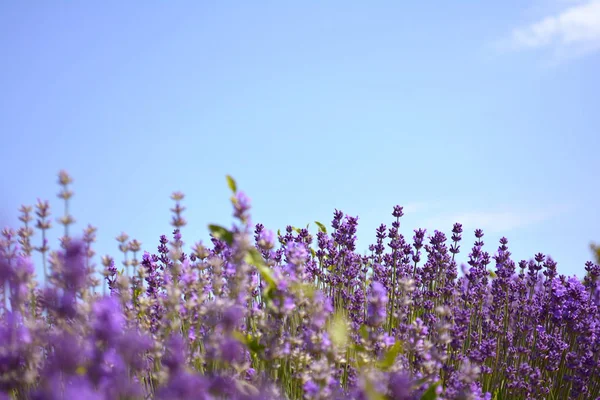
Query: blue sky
x=485, y=114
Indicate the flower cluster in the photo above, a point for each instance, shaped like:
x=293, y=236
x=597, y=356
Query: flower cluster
x=309, y=318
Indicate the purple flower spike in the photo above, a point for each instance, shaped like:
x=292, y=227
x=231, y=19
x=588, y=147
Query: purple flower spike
x=75, y=274
x=174, y=359
x=232, y=350
x=399, y=387
x=241, y=206
x=109, y=320
x=378, y=299
x=231, y=318
x=398, y=211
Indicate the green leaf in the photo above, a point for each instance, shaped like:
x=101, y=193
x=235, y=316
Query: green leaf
x=221, y=233
x=371, y=392
x=253, y=257
x=390, y=356
x=338, y=330
x=430, y=393
x=364, y=332
x=231, y=183
x=251, y=342
x=307, y=289
x=322, y=227
x=313, y=252
x=239, y=336
x=246, y=388
x=492, y=273
x=359, y=349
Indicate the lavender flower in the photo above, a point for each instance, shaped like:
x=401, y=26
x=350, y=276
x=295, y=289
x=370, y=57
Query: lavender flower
x=376, y=309
x=285, y=320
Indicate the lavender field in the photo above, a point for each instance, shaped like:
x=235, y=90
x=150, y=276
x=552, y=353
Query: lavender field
x=414, y=203
x=293, y=315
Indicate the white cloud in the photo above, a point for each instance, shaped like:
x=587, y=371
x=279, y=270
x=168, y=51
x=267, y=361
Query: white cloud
x=573, y=31
x=492, y=221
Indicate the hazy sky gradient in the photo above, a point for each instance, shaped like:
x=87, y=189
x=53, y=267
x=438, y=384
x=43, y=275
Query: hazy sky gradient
x=485, y=114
